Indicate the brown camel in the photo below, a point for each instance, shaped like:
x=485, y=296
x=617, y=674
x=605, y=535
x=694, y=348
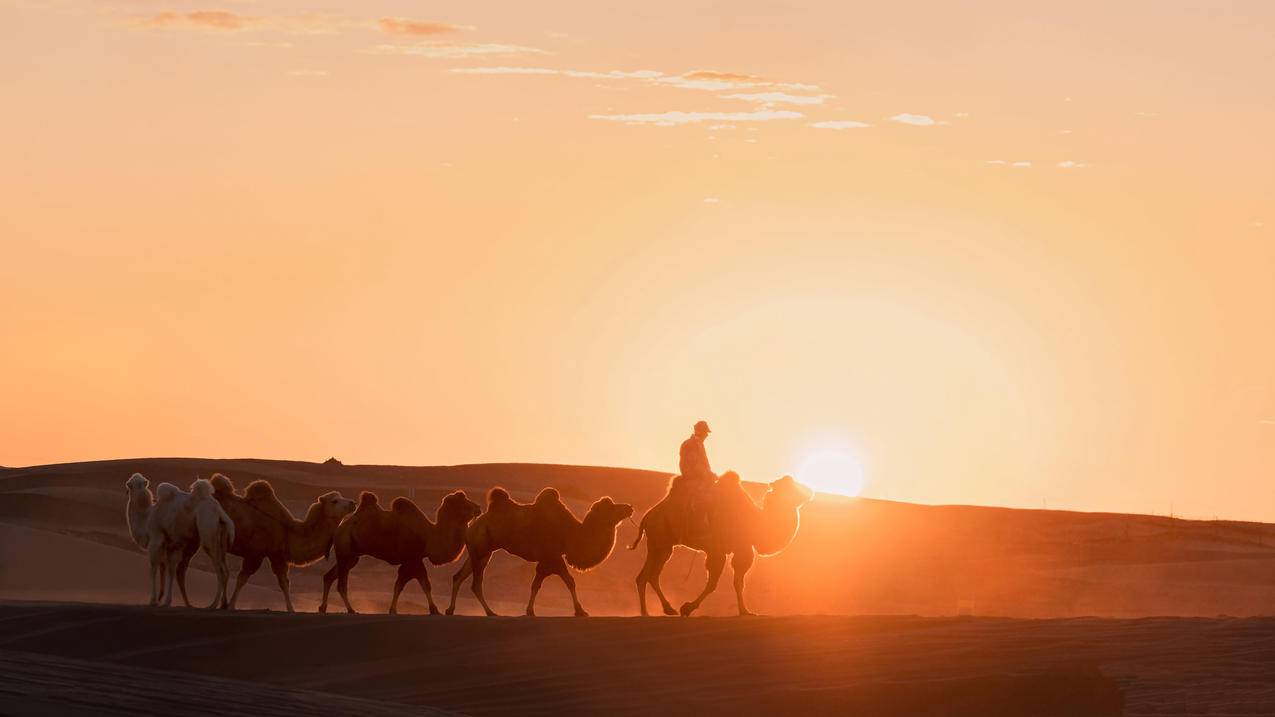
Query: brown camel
x=265, y=529
x=736, y=527
x=544, y=532
x=400, y=536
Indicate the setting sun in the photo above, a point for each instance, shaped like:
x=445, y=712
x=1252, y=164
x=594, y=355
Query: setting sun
x=832, y=471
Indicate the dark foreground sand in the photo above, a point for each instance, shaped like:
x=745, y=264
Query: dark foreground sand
x=145, y=659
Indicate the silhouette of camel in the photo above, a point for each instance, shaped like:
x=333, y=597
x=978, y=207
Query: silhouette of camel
x=736, y=527
x=400, y=536
x=265, y=529
x=544, y=532
x=179, y=524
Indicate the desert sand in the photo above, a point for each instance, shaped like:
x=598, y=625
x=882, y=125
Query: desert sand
x=868, y=665
x=871, y=611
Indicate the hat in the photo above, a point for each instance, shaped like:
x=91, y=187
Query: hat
x=702, y=424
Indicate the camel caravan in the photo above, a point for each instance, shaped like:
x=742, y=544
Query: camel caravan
x=701, y=511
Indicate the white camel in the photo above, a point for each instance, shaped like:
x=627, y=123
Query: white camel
x=183, y=521
x=141, y=503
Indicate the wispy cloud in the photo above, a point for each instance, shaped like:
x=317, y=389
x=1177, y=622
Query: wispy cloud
x=1022, y=164
x=840, y=124
x=206, y=19
x=780, y=98
x=670, y=119
x=1071, y=164
x=417, y=28
x=611, y=75
x=1266, y=421
x=917, y=120
x=458, y=50
x=706, y=80
x=226, y=21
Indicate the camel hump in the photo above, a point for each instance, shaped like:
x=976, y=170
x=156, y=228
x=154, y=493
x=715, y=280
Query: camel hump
x=200, y=490
x=403, y=506
x=258, y=490
x=549, y=496
x=166, y=492
x=222, y=486
x=261, y=494
x=729, y=479
x=368, y=499
x=498, y=496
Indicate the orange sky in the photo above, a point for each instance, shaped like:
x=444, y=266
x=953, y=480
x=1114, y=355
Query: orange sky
x=426, y=232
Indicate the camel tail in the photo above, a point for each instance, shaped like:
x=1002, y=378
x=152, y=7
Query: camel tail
x=641, y=532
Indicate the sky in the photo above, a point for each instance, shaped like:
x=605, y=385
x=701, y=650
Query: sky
x=1011, y=253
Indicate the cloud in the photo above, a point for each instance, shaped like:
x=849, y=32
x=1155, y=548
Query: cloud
x=417, y=28
x=611, y=75
x=707, y=80
x=670, y=119
x=457, y=50
x=225, y=21
x=918, y=120
x=778, y=98
x=1071, y=164
x=995, y=161
x=840, y=124
x=712, y=200
x=208, y=19
x=1021, y=164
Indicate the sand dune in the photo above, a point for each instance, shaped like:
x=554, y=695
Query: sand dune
x=850, y=557
x=819, y=665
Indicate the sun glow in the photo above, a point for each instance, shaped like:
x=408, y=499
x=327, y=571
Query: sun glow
x=832, y=471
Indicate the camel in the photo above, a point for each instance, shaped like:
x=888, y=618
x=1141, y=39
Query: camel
x=737, y=527
x=400, y=536
x=180, y=523
x=265, y=529
x=544, y=532
x=137, y=512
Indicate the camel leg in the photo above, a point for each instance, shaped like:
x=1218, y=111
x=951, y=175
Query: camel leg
x=654, y=579
x=542, y=571
x=422, y=577
x=218, y=559
x=480, y=565
x=650, y=575
x=459, y=579
x=328, y=578
x=560, y=567
x=279, y=566
x=187, y=554
x=715, y=563
x=404, y=575
x=740, y=564
x=174, y=557
x=249, y=566
x=343, y=581
x=156, y=555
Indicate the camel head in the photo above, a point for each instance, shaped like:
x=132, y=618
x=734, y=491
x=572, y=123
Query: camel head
x=458, y=508
x=333, y=506
x=788, y=493
x=608, y=512
x=136, y=483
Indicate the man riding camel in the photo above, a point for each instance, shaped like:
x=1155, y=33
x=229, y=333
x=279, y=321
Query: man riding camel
x=698, y=476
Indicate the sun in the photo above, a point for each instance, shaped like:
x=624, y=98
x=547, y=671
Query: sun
x=832, y=471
